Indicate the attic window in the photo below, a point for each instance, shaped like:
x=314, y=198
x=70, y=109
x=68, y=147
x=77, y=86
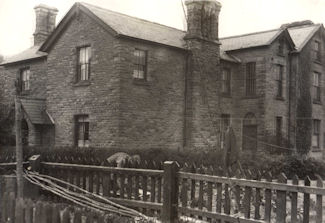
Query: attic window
x=317, y=51
x=140, y=65
x=84, y=55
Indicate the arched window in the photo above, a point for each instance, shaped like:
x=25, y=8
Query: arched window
x=250, y=119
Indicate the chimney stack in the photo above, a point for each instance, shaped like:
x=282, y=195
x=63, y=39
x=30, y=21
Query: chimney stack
x=45, y=22
x=202, y=19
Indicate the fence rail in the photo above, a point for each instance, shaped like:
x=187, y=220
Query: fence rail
x=136, y=188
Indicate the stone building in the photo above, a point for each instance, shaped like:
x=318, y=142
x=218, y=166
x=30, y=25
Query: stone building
x=105, y=79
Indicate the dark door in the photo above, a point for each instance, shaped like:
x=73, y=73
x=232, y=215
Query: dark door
x=249, y=137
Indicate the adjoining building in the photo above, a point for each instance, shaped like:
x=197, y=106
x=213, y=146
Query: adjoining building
x=105, y=79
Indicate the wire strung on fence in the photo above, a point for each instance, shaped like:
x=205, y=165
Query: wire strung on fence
x=82, y=197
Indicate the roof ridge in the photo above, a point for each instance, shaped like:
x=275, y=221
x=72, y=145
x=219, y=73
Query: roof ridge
x=133, y=17
x=249, y=34
x=304, y=26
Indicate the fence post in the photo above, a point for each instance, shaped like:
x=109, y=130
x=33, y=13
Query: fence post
x=281, y=201
x=170, y=192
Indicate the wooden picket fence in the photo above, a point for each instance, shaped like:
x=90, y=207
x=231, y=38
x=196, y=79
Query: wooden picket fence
x=205, y=195
x=170, y=192
x=27, y=211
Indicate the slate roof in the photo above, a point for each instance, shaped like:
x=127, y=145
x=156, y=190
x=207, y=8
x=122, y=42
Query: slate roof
x=124, y=25
x=35, y=109
x=302, y=34
x=299, y=34
x=139, y=28
x=29, y=54
x=249, y=40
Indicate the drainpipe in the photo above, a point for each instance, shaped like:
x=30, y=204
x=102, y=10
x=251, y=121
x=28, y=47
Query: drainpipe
x=289, y=98
x=185, y=119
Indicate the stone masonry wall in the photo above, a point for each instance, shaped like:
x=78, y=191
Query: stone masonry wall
x=318, y=108
x=203, y=107
x=99, y=98
x=152, y=111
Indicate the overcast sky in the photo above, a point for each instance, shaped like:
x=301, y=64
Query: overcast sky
x=17, y=18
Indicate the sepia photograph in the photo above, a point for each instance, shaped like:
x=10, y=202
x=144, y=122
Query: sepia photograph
x=162, y=111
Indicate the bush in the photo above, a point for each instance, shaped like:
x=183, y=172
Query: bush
x=261, y=160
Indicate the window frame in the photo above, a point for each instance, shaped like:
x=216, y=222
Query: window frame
x=225, y=121
x=280, y=81
x=278, y=129
x=226, y=81
x=317, y=51
x=317, y=87
x=316, y=132
x=87, y=63
x=23, y=82
x=137, y=65
x=250, y=79
x=84, y=142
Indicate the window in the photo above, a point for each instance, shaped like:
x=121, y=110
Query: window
x=316, y=87
x=84, y=56
x=140, y=65
x=317, y=51
x=225, y=121
x=226, y=81
x=250, y=79
x=316, y=131
x=281, y=47
x=279, y=80
x=278, y=129
x=25, y=79
x=82, y=130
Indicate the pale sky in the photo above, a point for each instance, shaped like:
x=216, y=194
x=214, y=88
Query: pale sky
x=17, y=17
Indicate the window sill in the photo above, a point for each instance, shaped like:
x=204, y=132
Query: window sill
x=318, y=62
x=279, y=98
x=317, y=102
x=225, y=95
x=26, y=92
x=82, y=83
x=251, y=97
x=316, y=149
x=142, y=82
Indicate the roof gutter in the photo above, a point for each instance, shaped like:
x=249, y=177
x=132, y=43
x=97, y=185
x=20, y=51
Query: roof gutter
x=152, y=42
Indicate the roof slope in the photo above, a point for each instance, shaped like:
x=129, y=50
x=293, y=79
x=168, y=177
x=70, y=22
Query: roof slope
x=35, y=110
x=139, y=28
x=302, y=34
x=29, y=54
x=249, y=40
